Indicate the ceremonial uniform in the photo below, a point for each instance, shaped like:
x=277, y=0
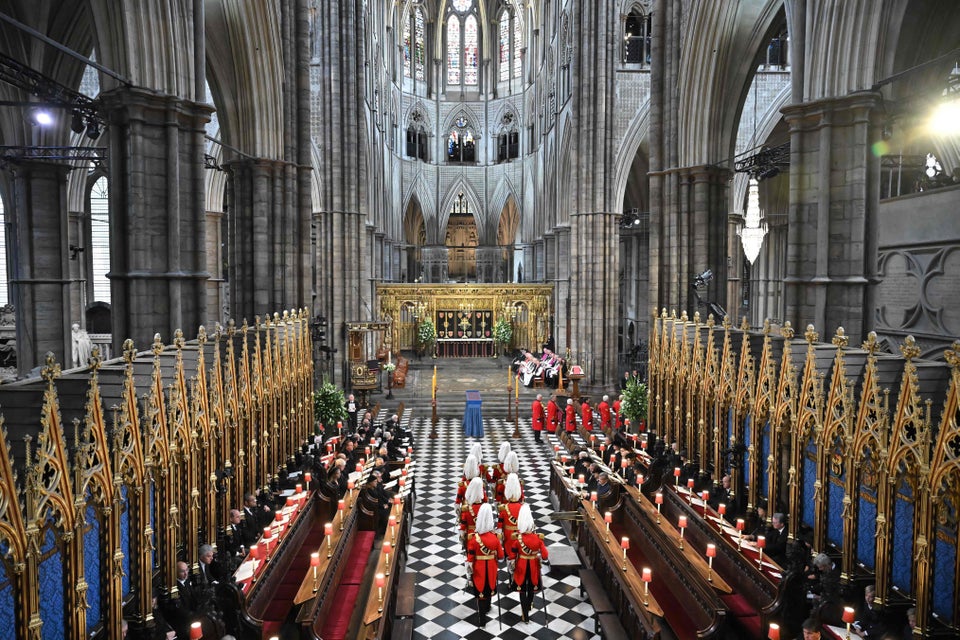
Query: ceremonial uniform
x=508, y=525
x=483, y=552
x=571, y=419
x=604, y=409
x=616, y=410
x=530, y=548
x=537, y=418
x=497, y=474
x=553, y=416
x=468, y=517
x=586, y=414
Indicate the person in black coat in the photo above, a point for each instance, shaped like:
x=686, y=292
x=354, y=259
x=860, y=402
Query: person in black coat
x=871, y=619
x=255, y=517
x=776, y=538
x=825, y=589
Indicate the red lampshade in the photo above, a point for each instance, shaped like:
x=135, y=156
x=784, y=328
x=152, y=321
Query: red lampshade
x=849, y=615
x=658, y=498
x=396, y=499
x=721, y=508
x=624, y=464
x=564, y=458
x=580, y=478
x=624, y=542
x=366, y=451
x=761, y=541
x=329, y=447
x=643, y=445
x=570, y=470
x=593, y=439
x=289, y=501
x=307, y=477
x=409, y=449
x=314, y=559
x=608, y=517
x=402, y=482
x=362, y=461
x=406, y=461
x=339, y=425
x=682, y=522
x=386, y=546
x=278, y=516
x=255, y=551
x=350, y=485
x=340, y=505
x=690, y=483
x=639, y=479
x=603, y=448
x=328, y=529
x=392, y=521
x=403, y=472
x=299, y=488
x=196, y=631
x=359, y=468
x=647, y=575
x=711, y=550
x=740, y=524
x=556, y=448
x=774, y=633
x=705, y=495
x=266, y=533
x=593, y=496
x=676, y=472
x=381, y=581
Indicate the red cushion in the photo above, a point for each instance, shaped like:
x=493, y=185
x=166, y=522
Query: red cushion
x=752, y=625
x=738, y=605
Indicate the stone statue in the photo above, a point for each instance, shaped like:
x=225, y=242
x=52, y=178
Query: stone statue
x=82, y=346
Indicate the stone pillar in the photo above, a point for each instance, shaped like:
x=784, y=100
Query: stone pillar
x=40, y=263
x=262, y=238
x=489, y=264
x=559, y=261
x=158, y=269
x=834, y=198
x=435, y=262
x=594, y=313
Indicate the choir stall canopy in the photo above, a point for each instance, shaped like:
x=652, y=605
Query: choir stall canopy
x=365, y=340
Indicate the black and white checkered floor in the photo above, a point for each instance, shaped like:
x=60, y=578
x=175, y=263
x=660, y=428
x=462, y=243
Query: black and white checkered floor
x=445, y=610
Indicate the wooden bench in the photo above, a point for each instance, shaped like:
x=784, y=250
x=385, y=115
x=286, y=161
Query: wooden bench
x=406, y=596
x=610, y=628
x=402, y=629
x=591, y=587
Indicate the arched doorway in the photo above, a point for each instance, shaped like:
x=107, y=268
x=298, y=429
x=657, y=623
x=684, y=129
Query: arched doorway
x=461, y=241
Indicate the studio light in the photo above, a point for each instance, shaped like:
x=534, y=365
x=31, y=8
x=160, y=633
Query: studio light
x=76, y=123
x=93, y=129
x=41, y=117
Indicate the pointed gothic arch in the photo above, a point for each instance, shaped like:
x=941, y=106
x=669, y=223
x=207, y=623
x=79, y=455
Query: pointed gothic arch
x=473, y=202
x=636, y=135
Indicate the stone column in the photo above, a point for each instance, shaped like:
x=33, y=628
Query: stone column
x=595, y=265
x=40, y=263
x=262, y=238
x=158, y=269
x=832, y=236
x=436, y=263
x=489, y=264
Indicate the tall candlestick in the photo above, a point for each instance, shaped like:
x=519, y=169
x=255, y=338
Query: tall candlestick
x=761, y=543
x=647, y=577
x=340, y=507
x=608, y=518
x=392, y=521
x=314, y=563
x=328, y=533
x=711, y=552
x=624, y=544
x=676, y=476
x=659, y=500
x=682, y=523
x=381, y=581
x=849, y=615
x=740, y=525
x=386, y=559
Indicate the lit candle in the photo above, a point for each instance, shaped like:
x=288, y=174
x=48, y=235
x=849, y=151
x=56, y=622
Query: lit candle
x=386, y=559
x=711, y=554
x=381, y=581
x=659, y=500
x=196, y=631
x=849, y=615
x=624, y=544
x=774, y=633
x=761, y=543
x=328, y=533
x=314, y=562
x=647, y=577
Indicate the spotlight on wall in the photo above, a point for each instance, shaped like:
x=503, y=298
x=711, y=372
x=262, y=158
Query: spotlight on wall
x=93, y=129
x=41, y=117
x=76, y=123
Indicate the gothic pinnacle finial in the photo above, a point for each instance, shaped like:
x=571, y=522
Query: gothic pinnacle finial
x=811, y=335
x=51, y=368
x=910, y=349
x=129, y=351
x=840, y=340
x=157, y=347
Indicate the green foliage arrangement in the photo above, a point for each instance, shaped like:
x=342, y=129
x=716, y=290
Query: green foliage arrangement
x=328, y=405
x=426, y=332
x=502, y=332
x=634, y=404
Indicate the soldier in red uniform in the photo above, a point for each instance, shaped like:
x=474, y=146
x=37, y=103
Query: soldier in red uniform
x=616, y=410
x=604, y=409
x=473, y=500
x=537, y=416
x=483, y=551
x=530, y=548
x=471, y=470
x=586, y=415
x=510, y=466
x=553, y=415
x=477, y=452
x=571, y=416
x=508, y=512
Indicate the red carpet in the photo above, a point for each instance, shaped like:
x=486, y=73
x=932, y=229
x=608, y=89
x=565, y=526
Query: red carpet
x=335, y=626
x=282, y=600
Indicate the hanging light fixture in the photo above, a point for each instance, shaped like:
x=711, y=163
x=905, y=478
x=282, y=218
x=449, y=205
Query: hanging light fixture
x=754, y=229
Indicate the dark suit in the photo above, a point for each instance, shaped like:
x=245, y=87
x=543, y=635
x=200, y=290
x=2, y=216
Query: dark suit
x=233, y=539
x=777, y=544
x=251, y=526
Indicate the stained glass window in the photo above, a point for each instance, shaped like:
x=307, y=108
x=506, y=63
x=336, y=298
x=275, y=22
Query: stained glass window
x=406, y=49
x=471, y=51
x=504, y=45
x=517, y=46
x=453, y=50
x=462, y=5
x=100, y=239
x=420, y=50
